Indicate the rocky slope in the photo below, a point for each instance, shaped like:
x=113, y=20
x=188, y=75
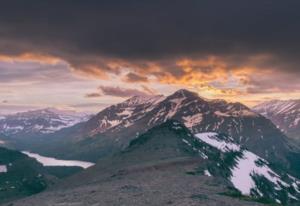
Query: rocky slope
x=284, y=114
x=169, y=165
x=250, y=174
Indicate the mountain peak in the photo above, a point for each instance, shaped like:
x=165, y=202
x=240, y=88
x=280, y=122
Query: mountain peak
x=185, y=93
x=136, y=100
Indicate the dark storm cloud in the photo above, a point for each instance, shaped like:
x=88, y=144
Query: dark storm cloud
x=12, y=72
x=82, y=31
x=93, y=95
x=132, y=77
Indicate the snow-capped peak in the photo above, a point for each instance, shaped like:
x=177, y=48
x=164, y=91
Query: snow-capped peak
x=137, y=100
x=39, y=121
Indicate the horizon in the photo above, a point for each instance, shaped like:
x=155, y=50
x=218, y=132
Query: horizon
x=100, y=108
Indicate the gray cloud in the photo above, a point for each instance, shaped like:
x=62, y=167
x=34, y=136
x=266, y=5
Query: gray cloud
x=133, y=77
x=34, y=71
x=90, y=32
x=93, y=95
x=121, y=92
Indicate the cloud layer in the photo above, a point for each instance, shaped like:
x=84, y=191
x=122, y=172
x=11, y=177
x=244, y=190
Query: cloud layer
x=119, y=92
x=78, y=31
x=222, y=48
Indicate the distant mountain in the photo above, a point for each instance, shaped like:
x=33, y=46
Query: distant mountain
x=284, y=114
x=38, y=122
x=170, y=165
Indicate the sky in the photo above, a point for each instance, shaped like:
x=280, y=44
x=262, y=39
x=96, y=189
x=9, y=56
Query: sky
x=86, y=55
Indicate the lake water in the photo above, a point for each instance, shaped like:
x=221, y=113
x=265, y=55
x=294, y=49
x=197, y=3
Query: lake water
x=49, y=161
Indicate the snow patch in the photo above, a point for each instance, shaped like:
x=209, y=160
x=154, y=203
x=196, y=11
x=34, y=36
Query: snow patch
x=211, y=139
x=126, y=112
x=244, y=170
x=3, y=169
x=186, y=142
x=247, y=166
x=192, y=120
x=222, y=114
x=207, y=173
x=176, y=103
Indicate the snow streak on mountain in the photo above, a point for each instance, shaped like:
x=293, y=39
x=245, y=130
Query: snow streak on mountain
x=284, y=114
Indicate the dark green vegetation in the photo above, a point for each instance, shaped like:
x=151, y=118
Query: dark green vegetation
x=24, y=176
x=232, y=192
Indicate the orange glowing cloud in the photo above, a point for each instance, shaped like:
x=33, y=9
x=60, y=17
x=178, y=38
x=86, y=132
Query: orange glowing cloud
x=31, y=57
x=214, y=76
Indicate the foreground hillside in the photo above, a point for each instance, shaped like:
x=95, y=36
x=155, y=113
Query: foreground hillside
x=167, y=166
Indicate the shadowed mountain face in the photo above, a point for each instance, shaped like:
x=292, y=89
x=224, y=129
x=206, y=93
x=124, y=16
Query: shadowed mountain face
x=20, y=175
x=112, y=129
x=167, y=165
x=284, y=114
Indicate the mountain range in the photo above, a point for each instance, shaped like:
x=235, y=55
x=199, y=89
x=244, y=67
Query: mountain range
x=113, y=128
x=217, y=148
x=20, y=130
x=38, y=122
